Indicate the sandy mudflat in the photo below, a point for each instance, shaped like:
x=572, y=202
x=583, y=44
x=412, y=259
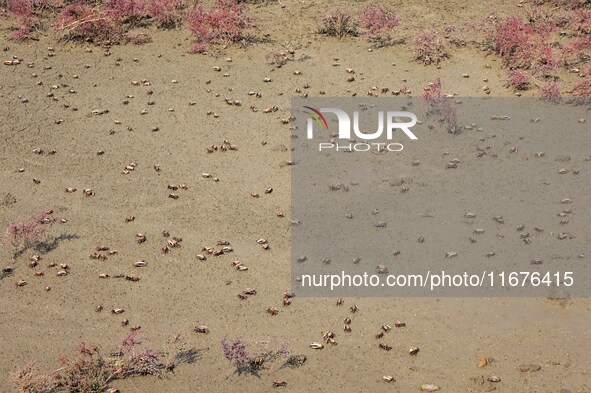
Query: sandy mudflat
x=177, y=291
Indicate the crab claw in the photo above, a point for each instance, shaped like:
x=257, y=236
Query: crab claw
x=316, y=345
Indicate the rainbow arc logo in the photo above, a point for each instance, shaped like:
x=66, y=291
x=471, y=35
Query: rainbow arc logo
x=317, y=116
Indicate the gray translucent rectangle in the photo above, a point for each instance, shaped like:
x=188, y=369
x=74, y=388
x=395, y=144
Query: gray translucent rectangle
x=491, y=198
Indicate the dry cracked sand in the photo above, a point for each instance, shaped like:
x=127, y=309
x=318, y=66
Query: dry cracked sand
x=178, y=292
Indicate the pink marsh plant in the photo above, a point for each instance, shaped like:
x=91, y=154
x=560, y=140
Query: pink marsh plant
x=429, y=47
x=550, y=91
x=377, y=18
x=223, y=23
x=26, y=234
x=440, y=106
x=89, y=371
x=25, y=17
x=518, y=79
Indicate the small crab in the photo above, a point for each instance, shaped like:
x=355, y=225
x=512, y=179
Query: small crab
x=239, y=266
x=498, y=219
x=201, y=329
x=278, y=382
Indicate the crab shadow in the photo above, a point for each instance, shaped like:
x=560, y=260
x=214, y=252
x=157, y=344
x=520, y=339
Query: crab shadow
x=256, y=365
x=188, y=356
x=185, y=356
x=51, y=243
x=46, y=245
x=250, y=367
